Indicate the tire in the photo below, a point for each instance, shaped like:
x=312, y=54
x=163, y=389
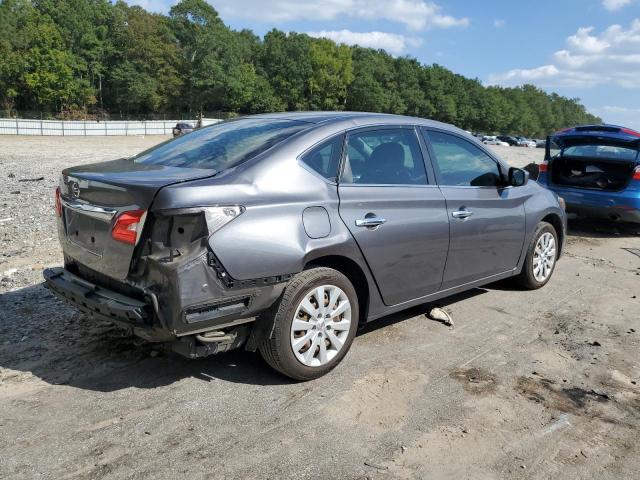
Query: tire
x=278, y=349
x=529, y=277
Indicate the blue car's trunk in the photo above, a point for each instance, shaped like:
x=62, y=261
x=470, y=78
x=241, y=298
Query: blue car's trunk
x=592, y=158
x=592, y=173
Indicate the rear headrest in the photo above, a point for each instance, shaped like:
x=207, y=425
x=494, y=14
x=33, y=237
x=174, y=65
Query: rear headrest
x=390, y=154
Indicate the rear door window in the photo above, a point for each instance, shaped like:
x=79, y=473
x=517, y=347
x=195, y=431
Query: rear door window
x=223, y=145
x=384, y=157
x=325, y=158
x=462, y=164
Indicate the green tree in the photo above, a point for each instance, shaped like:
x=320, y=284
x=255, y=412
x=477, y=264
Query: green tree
x=145, y=61
x=331, y=74
x=13, y=17
x=91, y=54
x=373, y=88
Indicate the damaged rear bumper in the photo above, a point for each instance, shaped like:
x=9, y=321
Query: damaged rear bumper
x=175, y=302
x=100, y=302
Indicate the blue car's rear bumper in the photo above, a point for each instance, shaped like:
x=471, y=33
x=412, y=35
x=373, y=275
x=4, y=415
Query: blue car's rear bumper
x=622, y=206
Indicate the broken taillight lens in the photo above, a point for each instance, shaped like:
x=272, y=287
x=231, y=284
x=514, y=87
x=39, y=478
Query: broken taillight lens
x=128, y=226
x=636, y=173
x=544, y=166
x=58, y=203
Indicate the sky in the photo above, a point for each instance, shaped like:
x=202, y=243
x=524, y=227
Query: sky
x=586, y=49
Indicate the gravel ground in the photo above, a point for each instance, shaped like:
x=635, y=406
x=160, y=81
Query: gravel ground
x=526, y=385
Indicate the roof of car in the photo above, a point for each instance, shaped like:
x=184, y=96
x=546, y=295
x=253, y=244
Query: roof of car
x=359, y=118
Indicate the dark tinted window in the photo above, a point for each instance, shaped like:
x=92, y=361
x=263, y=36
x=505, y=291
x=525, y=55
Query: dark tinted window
x=325, y=158
x=460, y=163
x=390, y=157
x=222, y=145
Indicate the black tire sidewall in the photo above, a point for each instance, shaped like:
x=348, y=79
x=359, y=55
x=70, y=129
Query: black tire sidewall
x=289, y=363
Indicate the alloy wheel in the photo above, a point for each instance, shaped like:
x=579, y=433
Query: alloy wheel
x=544, y=256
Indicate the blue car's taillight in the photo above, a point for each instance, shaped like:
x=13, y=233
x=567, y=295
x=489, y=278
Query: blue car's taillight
x=544, y=167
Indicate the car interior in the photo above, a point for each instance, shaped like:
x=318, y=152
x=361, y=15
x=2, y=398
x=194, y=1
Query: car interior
x=379, y=157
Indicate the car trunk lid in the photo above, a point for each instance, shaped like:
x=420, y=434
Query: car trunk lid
x=102, y=202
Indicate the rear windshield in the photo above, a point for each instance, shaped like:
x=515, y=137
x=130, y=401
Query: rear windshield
x=601, y=151
x=223, y=145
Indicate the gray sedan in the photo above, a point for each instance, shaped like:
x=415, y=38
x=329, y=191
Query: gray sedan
x=284, y=232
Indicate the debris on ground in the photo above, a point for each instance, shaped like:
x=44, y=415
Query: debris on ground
x=8, y=273
x=440, y=315
x=37, y=179
x=634, y=251
x=600, y=394
x=376, y=466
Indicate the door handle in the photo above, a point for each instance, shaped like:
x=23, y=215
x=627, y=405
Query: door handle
x=462, y=213
x=370, y=221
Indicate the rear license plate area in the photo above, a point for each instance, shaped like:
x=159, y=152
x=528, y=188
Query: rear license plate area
x=85, y=231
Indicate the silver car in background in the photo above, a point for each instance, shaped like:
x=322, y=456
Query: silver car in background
x=284, y=232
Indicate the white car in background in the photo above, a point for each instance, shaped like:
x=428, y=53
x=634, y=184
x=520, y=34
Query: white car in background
x=494, y=141
x=525, y=142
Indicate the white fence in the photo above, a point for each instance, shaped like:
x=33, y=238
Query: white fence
x=16, y=126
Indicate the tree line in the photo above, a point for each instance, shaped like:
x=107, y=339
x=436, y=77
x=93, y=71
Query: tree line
x=79, y=56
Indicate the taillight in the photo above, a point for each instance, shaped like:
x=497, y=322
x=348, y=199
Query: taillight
x=544, y=166
x=636, y=173
x=628, y=131
x=128, y=226
x=58, y=203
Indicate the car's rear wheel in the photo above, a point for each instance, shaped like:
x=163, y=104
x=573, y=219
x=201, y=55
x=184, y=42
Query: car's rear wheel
x=315, y=322
x=541, y=257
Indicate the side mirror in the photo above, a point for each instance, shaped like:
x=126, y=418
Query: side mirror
x=518, y=177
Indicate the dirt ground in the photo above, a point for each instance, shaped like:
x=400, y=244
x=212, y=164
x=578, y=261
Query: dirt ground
x=529, y=385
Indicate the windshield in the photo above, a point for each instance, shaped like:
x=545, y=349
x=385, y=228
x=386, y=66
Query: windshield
x=601, y=151
x=223, y=145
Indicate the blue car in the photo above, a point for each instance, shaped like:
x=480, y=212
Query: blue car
x=596, y=170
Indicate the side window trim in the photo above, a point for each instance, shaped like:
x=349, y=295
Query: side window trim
x=319, y=143
x=425, y=135
x=427, y=157
x=372, y=128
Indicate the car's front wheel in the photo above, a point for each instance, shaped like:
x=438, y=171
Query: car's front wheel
x=315, y=322
x=541, y=257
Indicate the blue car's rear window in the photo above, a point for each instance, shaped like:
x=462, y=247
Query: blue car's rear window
x=601, y=151
x=223, y=145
